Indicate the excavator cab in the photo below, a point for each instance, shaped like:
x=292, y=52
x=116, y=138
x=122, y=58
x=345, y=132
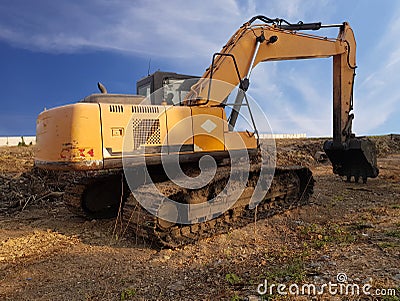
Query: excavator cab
x=166, y=88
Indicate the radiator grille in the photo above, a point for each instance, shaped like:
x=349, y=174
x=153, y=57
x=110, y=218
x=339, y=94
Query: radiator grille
x=146, y=132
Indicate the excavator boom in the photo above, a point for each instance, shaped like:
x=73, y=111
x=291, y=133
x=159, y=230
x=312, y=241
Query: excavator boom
x=276, y=40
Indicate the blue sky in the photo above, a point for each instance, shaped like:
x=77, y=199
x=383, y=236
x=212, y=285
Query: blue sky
x=53, y=52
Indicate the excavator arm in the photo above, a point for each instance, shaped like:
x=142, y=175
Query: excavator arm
x=276, y=40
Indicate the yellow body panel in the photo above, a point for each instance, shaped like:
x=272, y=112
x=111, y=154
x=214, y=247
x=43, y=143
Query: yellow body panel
x=179, y=126
x=96, y=135
x=240, y=140
x=208, y=128
x=70, y=135
x=114, y=118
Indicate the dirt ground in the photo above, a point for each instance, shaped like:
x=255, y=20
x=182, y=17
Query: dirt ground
x=348, y=230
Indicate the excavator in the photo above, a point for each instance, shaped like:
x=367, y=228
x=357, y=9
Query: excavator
x=120, y=148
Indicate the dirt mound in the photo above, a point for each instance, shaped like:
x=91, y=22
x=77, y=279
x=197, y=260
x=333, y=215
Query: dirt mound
x=41, y=244
x=298, y=151
x=302, y=151
x=19, y=189
x=16, y=159
x=387, y=145
x=22, y=183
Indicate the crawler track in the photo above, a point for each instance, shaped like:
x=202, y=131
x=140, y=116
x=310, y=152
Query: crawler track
x=291, y=187
x=101, y=194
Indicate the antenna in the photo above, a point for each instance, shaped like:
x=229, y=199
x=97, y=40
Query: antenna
x=148, y=69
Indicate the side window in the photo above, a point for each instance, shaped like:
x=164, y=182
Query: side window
x=144, y=90
x=175, y=90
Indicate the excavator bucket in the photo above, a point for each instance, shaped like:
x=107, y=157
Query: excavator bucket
x=354, y=158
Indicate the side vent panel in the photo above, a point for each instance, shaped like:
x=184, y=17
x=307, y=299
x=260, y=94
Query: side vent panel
x=145, y=109
x=146, y=132
x=116, y=108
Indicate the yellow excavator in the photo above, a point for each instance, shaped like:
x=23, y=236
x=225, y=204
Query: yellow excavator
x=115, y=145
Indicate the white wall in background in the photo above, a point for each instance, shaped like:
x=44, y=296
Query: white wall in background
x=282, y=136
x=12, y=141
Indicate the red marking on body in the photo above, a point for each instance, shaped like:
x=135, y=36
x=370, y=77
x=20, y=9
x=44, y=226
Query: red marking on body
x=82, y=152
x=91, y=152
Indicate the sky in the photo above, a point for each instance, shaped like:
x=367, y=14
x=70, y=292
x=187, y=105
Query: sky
x=54, y=52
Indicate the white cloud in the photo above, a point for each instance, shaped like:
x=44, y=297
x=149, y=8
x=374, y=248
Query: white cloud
x=176, y=28
x=182, y=32
x=163, y=28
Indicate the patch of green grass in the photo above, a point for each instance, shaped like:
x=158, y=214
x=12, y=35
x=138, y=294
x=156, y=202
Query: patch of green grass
x=232, y=278
x=338, y=198
x=126, y=294
x=294, y=270
x=317, y=236
x=396, y=206
x=309, y=229
x=335, y=200
x=319, y=244
x=235, y=298
x=386, y=245
x=227, y=252
x=393, y=233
